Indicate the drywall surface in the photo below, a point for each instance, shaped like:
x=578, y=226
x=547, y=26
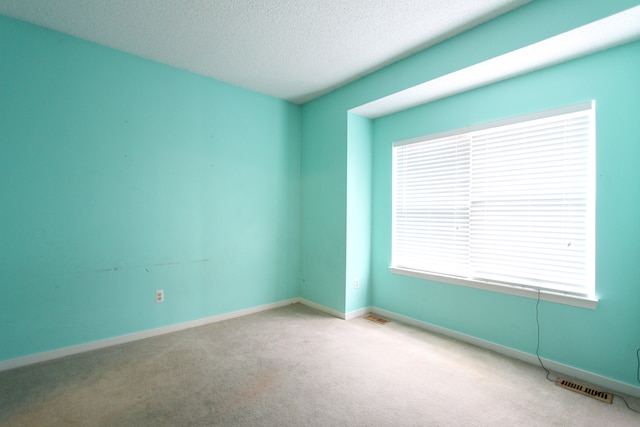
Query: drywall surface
x=603, y=341
x=323, y=205
x=358, y=265
x=120, y=176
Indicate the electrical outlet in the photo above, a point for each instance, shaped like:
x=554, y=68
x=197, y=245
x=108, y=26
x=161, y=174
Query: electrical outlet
x=356, y=283
x=159, y=296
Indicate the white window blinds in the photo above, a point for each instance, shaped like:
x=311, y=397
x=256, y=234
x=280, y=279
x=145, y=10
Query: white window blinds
x=510, y=202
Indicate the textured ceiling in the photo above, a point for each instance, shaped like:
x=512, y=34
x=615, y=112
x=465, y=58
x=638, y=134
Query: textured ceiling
x=291, y=49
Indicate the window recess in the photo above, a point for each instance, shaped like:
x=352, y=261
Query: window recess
x=507, y=206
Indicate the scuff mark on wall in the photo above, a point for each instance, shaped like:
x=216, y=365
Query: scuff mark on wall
x=106, y=270
x=161, y=264
x=183, y=262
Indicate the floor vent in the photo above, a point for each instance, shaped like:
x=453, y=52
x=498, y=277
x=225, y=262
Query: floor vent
x=377, y=319
x=587, y=391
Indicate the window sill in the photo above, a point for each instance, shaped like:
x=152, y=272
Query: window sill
x=557, y=297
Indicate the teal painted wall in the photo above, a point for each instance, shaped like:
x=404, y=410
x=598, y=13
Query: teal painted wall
x=120, y=176
x=325, y=161
x=358, y=257
x=324, y=204
x=601, y=341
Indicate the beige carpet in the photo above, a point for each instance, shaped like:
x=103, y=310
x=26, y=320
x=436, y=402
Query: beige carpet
x=294, y=366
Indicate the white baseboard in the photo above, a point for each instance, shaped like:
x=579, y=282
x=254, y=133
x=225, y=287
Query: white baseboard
x=604, y=382
x=95, y=345
x=357, y=313
x=344, y=316
x=598, y=380
x=322, y=308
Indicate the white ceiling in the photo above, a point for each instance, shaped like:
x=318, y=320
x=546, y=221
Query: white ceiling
x=290, y=49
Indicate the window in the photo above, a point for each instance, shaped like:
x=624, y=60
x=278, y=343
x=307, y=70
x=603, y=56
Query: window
x=508, y=205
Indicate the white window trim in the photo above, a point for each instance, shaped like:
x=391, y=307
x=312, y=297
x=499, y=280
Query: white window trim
x=522, y=291
x=583, y=301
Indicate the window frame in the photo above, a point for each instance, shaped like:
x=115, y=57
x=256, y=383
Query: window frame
x=587, y=300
